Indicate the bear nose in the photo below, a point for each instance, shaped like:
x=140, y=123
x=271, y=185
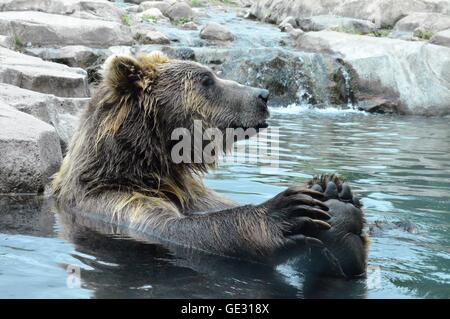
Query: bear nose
x=264, y=95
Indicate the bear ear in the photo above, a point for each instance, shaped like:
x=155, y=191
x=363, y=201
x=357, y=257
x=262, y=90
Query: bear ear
x=124, y=73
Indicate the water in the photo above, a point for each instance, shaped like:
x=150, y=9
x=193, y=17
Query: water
x=399, y=165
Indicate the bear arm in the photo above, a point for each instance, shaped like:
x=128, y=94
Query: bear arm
x=244, y=232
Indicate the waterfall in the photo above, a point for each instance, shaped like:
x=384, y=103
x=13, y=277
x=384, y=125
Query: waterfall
x=348, y=86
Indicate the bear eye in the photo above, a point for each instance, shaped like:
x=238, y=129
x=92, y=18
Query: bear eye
x=207, y=80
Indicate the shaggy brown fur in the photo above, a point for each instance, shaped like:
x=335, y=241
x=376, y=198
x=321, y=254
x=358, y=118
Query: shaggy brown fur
x=118, y=166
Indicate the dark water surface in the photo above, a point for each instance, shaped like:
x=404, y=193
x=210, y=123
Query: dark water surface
x=400, y=166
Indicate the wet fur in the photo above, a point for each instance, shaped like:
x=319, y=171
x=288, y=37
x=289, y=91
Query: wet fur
x=118, y=168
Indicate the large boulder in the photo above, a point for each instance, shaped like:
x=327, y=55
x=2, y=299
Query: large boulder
x=30, y=152
x=45, y=29
x=72, y=55
x=61, y=113
x=46, y=77
x=323, y=22
x=215, y=31
x=86, y=9
x=412, y=76
x=442, y=38
x=421, y=24
x=179, y=10
x=384, y=13
x=89, y=59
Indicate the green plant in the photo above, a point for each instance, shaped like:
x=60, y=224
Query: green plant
x=424, y=35
x=347, y=29
x=126, y=19
x=222, y=1
x=381, y=33
x=18, y=44
x=149, y=18
x=181, y=20
x=196, y=3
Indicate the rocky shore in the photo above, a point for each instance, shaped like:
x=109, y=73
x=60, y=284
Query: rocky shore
x=380, y=56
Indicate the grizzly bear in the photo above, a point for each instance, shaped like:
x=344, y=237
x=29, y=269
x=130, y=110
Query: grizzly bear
x=118, y=169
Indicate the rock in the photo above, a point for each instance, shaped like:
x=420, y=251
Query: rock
x=412, y=76
x=431, y=22
x=215, y=31
x=80, y=56
x=85, y=9
x=152, y=15
x=295, y=33
x=179, y=10
x=378, y=105
x=288, y=75
x=384, y=13
x=46, y=77
x=421, y=25
x=288, y=24
x=442, y=38
x=7, y=42
x=45, y=29
x=30, y=152
x=285, y=27
x=61, y=113
x=189, y=26
x=152, y=37
x=180, y=53
x=343, y=24
x=161, y=5
x=135, y=1
x=72, y=55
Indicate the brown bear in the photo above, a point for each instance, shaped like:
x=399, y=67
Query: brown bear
x=118, y=169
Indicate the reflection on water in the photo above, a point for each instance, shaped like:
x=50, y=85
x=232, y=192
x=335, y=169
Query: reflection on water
x=399, y=165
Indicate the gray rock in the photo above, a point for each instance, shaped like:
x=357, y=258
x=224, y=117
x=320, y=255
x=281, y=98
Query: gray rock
x=413, y=76
x=46, y=77
x=429, y=22
x=45, y=29
x=180, y=53
x=384, y=13
x=161, y=5
x=420, y=26
x=289, y=76
x=189, y=26
x=442, y=38
x=215, y=31
x=295, y=33
x=152, y=37
x=135, y=1
x=288, y=24
x=7, y=42
x=322, y=22
x=85, y=9
x=179, y=10
x=72, y=55
x=61, y=113
x=30, y=152
x=152, y=15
